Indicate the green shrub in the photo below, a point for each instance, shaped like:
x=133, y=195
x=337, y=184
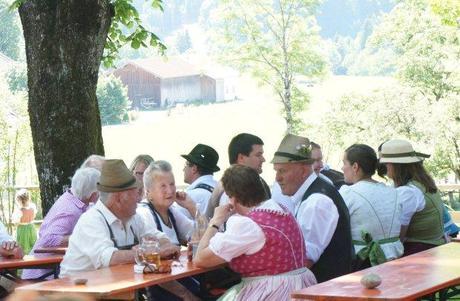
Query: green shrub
x=113, y=100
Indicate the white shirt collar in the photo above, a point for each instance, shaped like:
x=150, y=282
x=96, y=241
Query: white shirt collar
x=108, y=215
x=203, y=179
x=297, y=197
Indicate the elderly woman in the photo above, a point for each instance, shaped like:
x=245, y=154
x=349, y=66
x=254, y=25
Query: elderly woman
x=374, y=209
x=160, y=192
x=58, y=224
x=138, y=167
x=421, y=221
x=156, y=209
x=262, y=241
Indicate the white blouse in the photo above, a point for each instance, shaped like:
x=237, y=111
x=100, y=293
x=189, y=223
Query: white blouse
x=375, y=208
x=242, y=235
x=183, y=223
x=412, y=200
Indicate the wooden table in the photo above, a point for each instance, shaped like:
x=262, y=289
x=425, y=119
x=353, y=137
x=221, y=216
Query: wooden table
x=115, y=280
x=51, y=250
x=29, y=261
x=406, y=278
x=7, y=265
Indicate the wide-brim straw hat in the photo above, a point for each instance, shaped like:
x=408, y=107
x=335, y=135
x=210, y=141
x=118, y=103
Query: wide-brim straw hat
x=115, y=177
x=204, y=156
x=293, y=149
x=400, y=151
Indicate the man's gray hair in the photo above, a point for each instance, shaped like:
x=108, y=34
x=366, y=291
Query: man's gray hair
x=153, y=169
x=94, y=161
x=84, y=182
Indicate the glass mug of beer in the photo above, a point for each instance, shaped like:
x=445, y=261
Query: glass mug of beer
x=148, y=252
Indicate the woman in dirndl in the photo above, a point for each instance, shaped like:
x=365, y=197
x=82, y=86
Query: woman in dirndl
x=262, y=241
x=23, y=216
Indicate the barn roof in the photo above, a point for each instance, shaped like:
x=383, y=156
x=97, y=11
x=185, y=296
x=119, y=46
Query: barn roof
x=167, y=67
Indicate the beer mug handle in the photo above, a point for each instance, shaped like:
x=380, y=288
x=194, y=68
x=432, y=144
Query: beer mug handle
x=140, y=259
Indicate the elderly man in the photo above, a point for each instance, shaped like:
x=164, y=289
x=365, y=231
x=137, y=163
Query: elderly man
x=106, y=234
x=318, y=207
x=60, y=221
x=198, y=172
x=247, y=150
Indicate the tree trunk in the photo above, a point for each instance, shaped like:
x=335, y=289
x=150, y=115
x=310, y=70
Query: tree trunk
x=64, y=45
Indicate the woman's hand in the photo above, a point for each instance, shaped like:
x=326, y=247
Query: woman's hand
x=11, y=249
x=221, y=214
x=185, y=201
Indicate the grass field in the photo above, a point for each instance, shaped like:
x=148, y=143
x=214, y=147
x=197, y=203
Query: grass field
x=166, y=136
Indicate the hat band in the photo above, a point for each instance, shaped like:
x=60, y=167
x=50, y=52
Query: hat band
x=131, y=182
x=290, y=156
x=410, y=154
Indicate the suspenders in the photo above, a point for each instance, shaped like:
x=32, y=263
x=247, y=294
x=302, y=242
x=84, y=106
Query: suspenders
x=205, y=187
x=112, y=237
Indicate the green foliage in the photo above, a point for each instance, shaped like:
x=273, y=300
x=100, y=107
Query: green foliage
x=424, y=106
x=275, y=41
x=17, y=79
x=113, y=100
x=448, y=10
x=15, y=147
x=127, y=29
x=10, y=32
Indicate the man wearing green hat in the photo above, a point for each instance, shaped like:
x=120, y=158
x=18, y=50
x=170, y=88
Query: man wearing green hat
x=107, y=234
x=200, y=165
x=318, y=208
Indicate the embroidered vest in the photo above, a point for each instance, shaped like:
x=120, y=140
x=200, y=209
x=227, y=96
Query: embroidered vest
x=337, y=257
x=426, y=226
x=284, y=248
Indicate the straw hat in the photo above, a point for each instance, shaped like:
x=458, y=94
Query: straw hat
x=400, y=151
x=115, y=176
x=204, y=156
x=293, y=149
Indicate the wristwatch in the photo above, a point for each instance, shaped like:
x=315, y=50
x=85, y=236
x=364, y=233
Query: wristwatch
x=214, y=226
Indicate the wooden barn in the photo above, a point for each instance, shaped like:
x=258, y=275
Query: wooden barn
x=162, y=82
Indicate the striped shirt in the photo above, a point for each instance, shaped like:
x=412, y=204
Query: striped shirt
x=59, y=222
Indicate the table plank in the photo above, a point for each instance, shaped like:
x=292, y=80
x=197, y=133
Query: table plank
x=29, y=261
x=406, y=278
x=114, y=280
x=51, y=250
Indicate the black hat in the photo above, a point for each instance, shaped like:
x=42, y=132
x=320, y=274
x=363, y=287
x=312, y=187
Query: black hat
x=203, y=156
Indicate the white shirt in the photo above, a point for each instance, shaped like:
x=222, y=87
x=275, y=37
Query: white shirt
x=374, y=208
x=242, y=235
x=224, y=199
x=200, y=196
x=317, y=217
x=4, y=236
x=183, y=223
x=412, y=200
x=90, y=246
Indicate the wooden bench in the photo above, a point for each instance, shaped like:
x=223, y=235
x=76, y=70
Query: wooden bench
x=406, y=278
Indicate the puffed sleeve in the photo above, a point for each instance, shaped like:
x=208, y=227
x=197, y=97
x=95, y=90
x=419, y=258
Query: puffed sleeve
x=412, y=200
x=242, y=236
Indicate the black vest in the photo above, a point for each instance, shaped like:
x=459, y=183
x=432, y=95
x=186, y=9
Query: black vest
x=268, y=194
x=338, y=255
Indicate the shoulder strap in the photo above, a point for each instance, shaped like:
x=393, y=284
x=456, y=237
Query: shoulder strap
x=112, y=237
x=205, y=187
x=155, y=216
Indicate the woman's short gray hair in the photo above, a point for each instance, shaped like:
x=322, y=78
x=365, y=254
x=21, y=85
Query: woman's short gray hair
x=84, y=182
x=154, y=168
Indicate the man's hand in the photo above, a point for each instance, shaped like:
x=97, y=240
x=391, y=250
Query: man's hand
x=9, y=245
x=11, y=249
x=221, y=214
x=168, y=251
